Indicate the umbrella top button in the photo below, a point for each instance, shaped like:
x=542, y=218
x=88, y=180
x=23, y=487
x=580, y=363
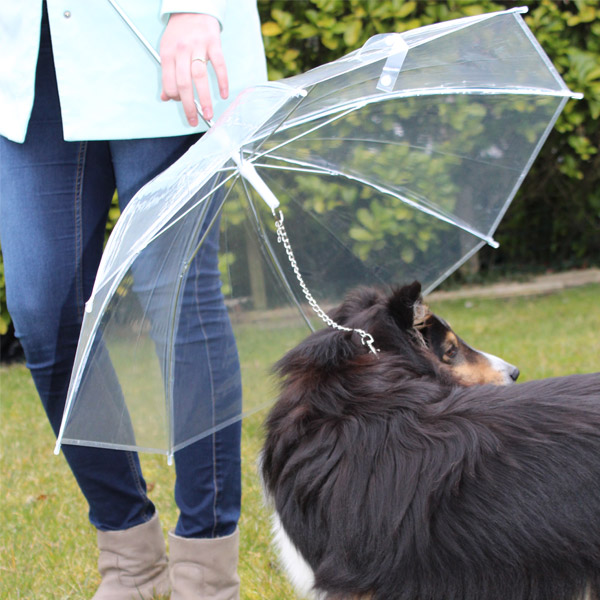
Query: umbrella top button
x=67, y=14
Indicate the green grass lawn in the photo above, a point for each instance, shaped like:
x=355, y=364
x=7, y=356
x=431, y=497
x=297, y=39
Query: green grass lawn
x=47, y=546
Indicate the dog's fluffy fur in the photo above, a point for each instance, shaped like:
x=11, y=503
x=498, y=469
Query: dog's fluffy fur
x=393, y=482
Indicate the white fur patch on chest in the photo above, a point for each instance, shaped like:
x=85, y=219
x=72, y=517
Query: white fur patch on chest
x=297, y=569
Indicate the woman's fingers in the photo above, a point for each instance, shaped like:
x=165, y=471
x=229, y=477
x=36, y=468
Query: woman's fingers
x=189, y=43
x=199, y=77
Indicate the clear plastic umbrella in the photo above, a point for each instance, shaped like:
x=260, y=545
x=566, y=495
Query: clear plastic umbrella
x=393, y=163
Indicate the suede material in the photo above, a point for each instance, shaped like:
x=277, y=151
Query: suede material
x=204, y=568
x=133, y=563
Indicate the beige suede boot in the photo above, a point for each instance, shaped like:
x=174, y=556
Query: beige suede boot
x=204, y=569
x=133, y=563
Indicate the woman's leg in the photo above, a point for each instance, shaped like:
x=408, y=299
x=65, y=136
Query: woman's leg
x=207, y=383
x=55, y=198
x=207, y=374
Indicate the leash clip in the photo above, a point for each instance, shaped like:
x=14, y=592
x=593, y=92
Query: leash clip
x=367, y=340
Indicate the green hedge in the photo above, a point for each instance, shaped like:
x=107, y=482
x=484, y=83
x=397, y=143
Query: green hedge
x=555, y=219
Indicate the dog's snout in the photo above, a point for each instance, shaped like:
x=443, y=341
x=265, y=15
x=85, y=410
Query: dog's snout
x=505, y=371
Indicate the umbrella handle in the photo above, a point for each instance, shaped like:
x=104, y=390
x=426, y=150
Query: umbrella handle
x=155, y=55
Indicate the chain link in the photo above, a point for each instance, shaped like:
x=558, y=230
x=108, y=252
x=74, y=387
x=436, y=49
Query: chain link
x=282, y=238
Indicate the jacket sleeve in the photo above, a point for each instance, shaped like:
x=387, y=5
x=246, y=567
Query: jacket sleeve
x=215, y=8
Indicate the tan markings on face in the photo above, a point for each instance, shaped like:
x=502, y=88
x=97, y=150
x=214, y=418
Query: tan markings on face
x=468, y=366
x=477, y=373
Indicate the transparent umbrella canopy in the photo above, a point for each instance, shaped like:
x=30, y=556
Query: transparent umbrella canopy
x=393, y=163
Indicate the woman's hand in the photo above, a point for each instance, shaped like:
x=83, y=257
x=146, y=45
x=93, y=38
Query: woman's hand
x=186, y=37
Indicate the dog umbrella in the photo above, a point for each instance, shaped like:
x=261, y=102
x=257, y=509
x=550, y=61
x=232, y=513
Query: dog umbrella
x=393, y=163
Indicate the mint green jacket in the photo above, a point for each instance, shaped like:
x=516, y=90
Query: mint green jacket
x=109, y=85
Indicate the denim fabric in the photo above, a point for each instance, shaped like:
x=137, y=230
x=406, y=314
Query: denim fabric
x=54, y=201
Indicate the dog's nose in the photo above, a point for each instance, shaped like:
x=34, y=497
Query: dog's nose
x=514, y=373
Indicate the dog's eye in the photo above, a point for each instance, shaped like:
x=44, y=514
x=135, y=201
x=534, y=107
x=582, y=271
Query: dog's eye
x=451, y=352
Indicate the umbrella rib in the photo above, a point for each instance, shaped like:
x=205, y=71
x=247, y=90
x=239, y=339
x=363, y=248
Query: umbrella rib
x=172, y=326
x=316, y=170
x=338, y=91
x=222, y=425
x=525, y=171
x=425, y=207
x=452, y=268
x=414, y=146
x=149, y=236
x=184, y=214
x=335, y=117
x=335, y=172
x=340, y=111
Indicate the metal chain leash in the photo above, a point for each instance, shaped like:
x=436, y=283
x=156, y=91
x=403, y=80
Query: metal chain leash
x=282, y=238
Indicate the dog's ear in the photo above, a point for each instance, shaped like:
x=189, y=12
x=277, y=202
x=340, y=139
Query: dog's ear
x=324, y=349
x=403, y=304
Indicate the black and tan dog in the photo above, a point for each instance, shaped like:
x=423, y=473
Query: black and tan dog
x=393, y=477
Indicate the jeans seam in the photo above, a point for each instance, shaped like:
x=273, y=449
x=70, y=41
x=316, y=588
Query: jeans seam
x=138, y=483
x=78, y=209
x=212, y=389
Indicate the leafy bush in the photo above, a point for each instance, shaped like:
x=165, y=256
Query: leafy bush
x=555, y=219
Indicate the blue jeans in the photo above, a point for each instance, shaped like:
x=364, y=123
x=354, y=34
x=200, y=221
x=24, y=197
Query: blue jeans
x=54, y=201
